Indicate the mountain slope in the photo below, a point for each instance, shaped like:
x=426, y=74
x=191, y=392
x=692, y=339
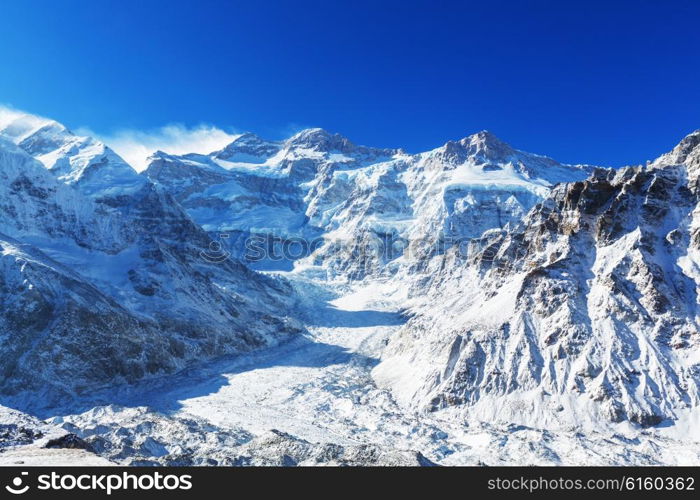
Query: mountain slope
x=587, y=311
x=134, y=249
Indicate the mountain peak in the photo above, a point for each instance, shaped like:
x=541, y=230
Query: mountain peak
x=320, y=140
x=88, y=163
x=486, y=143
x=687, y=151
x=689, y=143
x=18, y=126
x=486, y=136
x=248, y=147
x=158, y=154
x=309, y=133
x=483, y=146
x=247, y=138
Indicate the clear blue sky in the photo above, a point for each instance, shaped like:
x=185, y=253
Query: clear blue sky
x=597, y=82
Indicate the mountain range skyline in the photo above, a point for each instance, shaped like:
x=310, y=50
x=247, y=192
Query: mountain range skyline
x=136, y=146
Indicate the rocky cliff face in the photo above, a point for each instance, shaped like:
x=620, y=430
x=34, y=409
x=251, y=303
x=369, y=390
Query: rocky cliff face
x=586, y=310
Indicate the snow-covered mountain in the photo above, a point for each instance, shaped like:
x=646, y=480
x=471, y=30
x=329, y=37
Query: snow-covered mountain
x=81, y=161
x=585, y=312
x=111, y=269
x=469, y=304
x=359, y=210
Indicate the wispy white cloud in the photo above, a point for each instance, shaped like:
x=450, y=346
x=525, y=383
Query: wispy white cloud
x=8, y=114
x=135, y=146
